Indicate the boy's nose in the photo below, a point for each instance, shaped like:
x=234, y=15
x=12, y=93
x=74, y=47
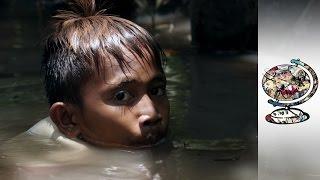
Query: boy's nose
x=146, y=121
x=148, y=113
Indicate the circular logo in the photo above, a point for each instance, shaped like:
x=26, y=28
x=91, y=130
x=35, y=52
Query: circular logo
x=286, y=82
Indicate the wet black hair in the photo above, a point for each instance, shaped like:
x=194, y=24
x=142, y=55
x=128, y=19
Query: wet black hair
x=82, y=40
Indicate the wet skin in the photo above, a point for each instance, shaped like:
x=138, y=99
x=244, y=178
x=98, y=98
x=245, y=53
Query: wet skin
x=127, y=108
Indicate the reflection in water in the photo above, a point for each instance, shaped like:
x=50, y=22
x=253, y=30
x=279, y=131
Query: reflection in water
x=178, y=88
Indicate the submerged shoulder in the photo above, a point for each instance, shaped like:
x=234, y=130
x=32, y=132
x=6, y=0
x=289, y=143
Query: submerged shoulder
x=42, y=145
x=44, y=127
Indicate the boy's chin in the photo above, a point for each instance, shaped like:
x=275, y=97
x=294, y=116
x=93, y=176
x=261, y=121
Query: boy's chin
x=143, y=141
x=149, y=140
x=148, y=144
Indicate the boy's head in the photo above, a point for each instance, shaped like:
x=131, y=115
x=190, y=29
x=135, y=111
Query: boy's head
x=104, y=79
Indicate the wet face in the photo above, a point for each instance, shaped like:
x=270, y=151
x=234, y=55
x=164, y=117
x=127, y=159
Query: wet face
x=128, y=108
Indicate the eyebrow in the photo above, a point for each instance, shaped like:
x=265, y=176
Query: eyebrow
x=125, y=81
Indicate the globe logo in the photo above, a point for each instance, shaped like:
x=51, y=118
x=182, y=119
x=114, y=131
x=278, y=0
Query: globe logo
x=289, y=85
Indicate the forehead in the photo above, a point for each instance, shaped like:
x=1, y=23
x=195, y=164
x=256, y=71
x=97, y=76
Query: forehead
x=134, y=67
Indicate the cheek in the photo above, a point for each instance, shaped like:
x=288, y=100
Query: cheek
x=106, y=121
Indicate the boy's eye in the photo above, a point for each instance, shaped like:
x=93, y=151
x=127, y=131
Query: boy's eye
x=122, y=96
x=158, y=91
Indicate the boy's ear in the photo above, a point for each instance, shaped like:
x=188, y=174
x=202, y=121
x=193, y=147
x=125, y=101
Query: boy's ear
x=64, y=116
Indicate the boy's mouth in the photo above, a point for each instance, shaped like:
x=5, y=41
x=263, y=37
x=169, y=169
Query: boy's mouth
x=153, y=138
